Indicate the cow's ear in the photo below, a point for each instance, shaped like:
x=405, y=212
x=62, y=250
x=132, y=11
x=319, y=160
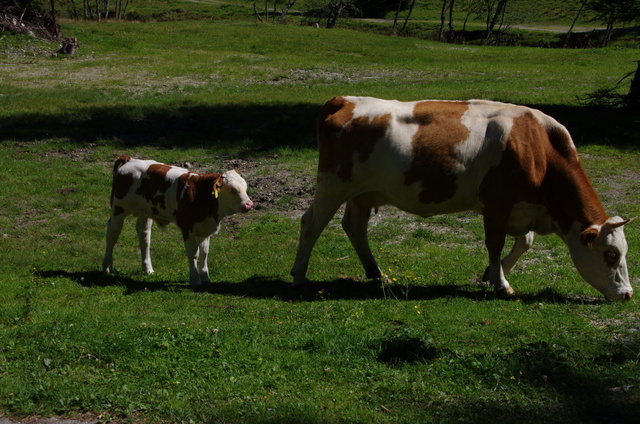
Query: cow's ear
x=217, y=185
x=588, y=237
x=619, y=224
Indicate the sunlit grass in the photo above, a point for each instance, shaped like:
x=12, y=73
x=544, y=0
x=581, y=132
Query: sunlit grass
x=432, y=344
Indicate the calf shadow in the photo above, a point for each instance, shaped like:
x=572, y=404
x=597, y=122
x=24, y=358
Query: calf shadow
x=271, y=287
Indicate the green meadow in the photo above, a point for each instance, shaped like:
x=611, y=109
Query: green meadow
x=433, y=345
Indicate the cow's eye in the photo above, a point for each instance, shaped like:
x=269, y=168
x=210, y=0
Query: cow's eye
x=611, y=257
x=233, y=190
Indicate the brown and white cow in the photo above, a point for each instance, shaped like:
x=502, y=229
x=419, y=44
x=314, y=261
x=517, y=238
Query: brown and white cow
x=195, y=202
x=516, y=166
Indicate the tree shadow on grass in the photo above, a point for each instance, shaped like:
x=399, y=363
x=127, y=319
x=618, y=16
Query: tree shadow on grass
x=595, y=125
x=268, y=287
x=249, y=129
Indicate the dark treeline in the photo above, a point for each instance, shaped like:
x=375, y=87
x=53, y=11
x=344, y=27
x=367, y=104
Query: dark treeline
x=498, y=16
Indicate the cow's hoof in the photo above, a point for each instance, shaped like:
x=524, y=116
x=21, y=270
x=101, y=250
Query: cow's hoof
x=298, y=284
x=505, y=293
x=384, y=279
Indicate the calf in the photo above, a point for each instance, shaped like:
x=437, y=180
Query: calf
x=516, y=166
x=195, y=202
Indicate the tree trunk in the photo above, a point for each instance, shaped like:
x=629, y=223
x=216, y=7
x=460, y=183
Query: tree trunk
x=334, y=14
x=566, y=40
x=255, y=10
x=286, y=10
x=450, y=35
x=443, y=14
x=493, y=20
x=633, y=98
x=406, y=20
x=394, y=29
x=611, y=21
x=54, y=22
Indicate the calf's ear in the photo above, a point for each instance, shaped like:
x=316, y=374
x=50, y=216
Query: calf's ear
x=217, y=185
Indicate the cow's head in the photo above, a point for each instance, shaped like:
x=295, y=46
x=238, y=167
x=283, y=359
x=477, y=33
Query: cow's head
x=231, y=191
x=599, y=253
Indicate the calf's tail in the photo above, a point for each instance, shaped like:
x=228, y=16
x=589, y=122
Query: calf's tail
x=116, y=165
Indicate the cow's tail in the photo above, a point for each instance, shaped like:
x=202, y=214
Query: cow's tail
x=117, y=165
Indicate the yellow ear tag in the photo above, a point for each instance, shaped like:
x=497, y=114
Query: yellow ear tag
x=215, y=191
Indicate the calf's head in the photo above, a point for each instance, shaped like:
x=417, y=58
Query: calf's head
x=231, y=191
x=599, y=253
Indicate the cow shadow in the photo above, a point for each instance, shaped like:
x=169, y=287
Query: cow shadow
x=275, y=288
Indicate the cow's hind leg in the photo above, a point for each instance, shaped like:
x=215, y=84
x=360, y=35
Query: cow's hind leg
x=143, y=227
x=313, y=222
x=114, y=228
x=355, y=223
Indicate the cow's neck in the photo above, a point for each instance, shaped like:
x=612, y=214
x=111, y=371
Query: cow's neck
x=572, y=199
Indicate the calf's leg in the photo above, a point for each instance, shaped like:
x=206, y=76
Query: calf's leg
x=191, y=248
x=203, y=253
x=143, y=228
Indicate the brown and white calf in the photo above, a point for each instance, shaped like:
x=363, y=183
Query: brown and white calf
x=195, y=202
x=516, y=166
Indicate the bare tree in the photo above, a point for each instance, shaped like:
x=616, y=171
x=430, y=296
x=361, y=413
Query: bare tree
x=264, y=17
x=394, y=28
x=406, y=19
x=335, y=10
x=495, y=10
x=611, y=12
x=573, y=24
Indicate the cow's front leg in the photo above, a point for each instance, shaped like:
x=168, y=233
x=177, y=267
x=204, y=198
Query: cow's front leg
x=143, y=227
x=495, y=234
x=203, y=253
x=355, y=223
x=191, y=247
x=520, y=246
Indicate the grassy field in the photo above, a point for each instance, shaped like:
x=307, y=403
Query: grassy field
x=434, y=345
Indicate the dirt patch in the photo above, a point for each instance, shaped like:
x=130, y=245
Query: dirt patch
x=273, y=186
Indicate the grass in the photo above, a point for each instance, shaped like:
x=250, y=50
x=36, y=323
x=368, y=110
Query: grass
x=433, y=345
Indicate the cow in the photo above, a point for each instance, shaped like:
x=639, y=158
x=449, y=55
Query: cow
x=514, y=165
x=167, y=194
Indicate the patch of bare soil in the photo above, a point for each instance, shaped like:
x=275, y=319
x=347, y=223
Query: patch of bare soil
x=283, y=190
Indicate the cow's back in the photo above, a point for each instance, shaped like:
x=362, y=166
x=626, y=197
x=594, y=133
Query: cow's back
x=430, y=157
